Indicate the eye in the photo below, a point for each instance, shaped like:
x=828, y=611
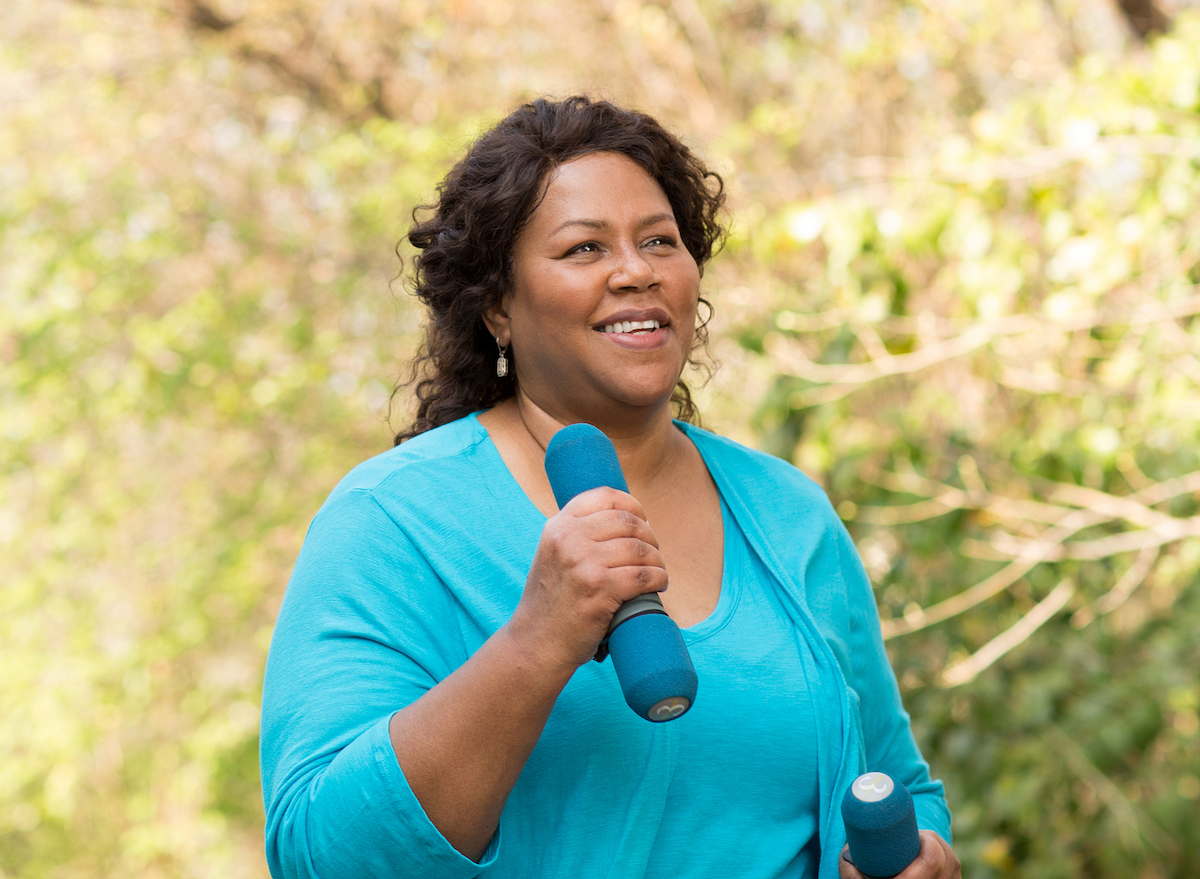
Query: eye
x=662, y=241
x=586, y=247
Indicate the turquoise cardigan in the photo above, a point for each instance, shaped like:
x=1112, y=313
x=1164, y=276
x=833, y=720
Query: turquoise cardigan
x=417, y=557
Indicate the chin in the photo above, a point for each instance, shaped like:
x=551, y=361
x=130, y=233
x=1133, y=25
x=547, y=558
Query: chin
x=643, y=399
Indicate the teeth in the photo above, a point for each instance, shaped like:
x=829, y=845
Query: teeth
x=628, y=326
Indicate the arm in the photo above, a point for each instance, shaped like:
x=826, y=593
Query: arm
x=382, y=747
x=363, y=630
x=887, y=733
x=845, y=607
x=887, y=730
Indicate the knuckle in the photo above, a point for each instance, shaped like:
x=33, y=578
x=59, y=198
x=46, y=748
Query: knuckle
x=629, y=520
x=571, y=558
x=555, y=529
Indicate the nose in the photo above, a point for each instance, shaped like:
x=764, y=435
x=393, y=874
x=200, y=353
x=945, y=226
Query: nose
x=633, y=271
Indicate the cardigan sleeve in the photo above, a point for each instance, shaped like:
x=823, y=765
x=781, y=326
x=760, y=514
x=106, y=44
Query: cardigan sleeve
x=840, y=597
x=887, y=731
x=365, y=628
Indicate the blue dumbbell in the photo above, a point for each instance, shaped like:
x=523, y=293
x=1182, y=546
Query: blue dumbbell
x=881, y=826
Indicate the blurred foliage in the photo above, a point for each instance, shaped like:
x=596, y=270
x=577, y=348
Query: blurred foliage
x=960, y=291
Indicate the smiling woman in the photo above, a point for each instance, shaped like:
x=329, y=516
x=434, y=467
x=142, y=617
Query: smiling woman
x=430, y=706
x=601, y=253
x=467, y=246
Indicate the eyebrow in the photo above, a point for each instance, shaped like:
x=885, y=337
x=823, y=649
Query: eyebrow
x=602, y=224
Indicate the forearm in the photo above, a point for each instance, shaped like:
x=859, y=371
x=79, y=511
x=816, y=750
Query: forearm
x=463, y=744
x=381, y=739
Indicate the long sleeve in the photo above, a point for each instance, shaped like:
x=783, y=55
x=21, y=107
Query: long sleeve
x=887, y=732
x=364, y=630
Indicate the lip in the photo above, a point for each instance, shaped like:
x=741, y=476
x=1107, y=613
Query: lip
x=631, y=314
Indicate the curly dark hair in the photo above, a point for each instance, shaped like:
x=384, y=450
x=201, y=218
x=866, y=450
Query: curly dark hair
x=466, y=247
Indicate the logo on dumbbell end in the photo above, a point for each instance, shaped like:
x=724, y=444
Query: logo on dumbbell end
x=669, y=708
x=872, y=787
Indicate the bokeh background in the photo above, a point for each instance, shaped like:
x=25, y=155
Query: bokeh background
x=961, y=291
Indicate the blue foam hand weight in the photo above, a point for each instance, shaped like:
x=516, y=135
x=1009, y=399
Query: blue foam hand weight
x=881, y=825
x=653, y=666
x=651, y=661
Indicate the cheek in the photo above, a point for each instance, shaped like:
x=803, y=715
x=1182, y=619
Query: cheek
x=544, y=319
x=691, y=283
x=544, y=328
x=556, y=299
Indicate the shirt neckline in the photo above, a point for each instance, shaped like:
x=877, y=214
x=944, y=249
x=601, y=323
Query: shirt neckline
x=730, y=582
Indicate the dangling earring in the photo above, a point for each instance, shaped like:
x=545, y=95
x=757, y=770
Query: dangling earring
x=501, y=361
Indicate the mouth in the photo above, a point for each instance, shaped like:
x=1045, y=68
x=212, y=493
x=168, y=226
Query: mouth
x=633, y=327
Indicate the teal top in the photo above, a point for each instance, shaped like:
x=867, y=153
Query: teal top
x=420, y=554
x=763, y=822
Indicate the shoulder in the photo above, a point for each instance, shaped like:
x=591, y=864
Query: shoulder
x=422, y=470
x=434, y=451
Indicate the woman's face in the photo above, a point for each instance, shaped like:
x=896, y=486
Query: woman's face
x=602, y=312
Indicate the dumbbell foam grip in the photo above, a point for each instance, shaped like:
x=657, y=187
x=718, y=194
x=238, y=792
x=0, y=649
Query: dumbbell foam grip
x=651, y=661
x=881, y=826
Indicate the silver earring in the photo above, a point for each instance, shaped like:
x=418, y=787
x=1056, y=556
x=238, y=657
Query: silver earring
x=501, y=361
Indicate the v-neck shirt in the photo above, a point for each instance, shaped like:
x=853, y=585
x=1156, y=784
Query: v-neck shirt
x=750, y=736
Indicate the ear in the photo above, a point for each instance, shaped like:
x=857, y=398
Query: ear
x=497, y=321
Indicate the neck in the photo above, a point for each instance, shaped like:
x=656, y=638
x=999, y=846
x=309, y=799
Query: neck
x=645, y=447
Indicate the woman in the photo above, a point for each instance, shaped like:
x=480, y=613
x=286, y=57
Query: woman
x=431, y=708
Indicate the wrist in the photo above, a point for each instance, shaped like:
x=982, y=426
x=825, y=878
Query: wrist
x=529, y=651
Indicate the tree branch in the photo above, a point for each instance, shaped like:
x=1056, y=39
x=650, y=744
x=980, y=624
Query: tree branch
x=1012, y=637
x=1026, y=555
x=838, y=380
x=1004, y=546
x=1133, y=577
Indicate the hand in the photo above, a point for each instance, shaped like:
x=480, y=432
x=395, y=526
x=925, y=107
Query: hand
x=935, y=860
x=595, y=554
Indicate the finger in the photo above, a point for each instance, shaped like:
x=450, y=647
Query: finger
x=575, y=540
x=624, y=569
x=942, y=859
x=613, y=525
x=624, y=552
x=935, y=860
x=603, y=498
x=596, y=546
x=638, y=580
x=614, y=569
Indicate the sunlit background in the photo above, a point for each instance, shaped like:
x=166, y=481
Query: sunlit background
x=961, y=292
